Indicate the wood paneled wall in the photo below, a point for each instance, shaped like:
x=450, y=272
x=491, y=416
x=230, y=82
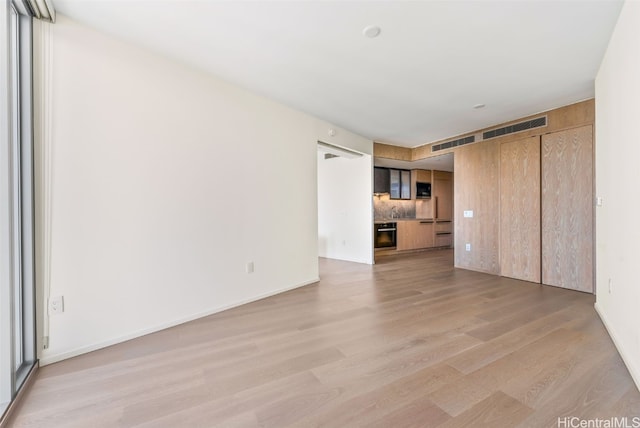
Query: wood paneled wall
x=476, y=188
x=567, y=209
x=520, y=209
x=392, y=152
x=571, y=116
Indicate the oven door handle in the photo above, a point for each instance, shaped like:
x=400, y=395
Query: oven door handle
x=389, y=229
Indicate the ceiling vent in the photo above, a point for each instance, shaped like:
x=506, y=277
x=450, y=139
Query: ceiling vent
x=454, y=143
x=538, y=122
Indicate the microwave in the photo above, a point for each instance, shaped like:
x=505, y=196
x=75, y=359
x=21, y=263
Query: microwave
x=423, y=190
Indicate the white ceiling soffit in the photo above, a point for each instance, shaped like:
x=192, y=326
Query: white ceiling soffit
x=417, y=82
x=338, y=151
x=438, y=163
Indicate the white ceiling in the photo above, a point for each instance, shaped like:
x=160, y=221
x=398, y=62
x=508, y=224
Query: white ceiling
x=416, y=83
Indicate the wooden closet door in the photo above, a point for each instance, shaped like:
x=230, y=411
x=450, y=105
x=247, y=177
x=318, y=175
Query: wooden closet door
x=567, y=209
x=520, y=209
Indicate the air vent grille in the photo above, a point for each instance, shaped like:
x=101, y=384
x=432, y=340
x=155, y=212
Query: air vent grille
x=538, y=122
x=454, y=143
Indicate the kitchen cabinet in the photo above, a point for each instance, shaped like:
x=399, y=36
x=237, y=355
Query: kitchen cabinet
x=419, y=176
x=442, y=196
x=381, y=182
x=442, y=192
x=414, y=235
x=444, y=233
x=400, y=184
x=422, y=175
x=405, y=184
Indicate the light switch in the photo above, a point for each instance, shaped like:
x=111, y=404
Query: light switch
x=468, y=213
x=598, y=202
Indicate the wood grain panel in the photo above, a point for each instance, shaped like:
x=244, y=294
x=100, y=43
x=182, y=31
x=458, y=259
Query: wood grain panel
x=443, y=240
x=571, y=116
x=442, y=192
x=520, y=209
x=404, y=238
x=388, y=151
x=424, y=208
x=476, y=188
x=567, y=209
x=414, y=235
x=422, y=176
x=424, y=234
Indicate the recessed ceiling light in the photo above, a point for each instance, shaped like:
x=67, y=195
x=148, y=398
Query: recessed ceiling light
x=371, y=31
x=478, y=106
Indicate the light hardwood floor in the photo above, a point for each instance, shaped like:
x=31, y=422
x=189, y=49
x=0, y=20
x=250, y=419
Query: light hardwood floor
x=409, y=342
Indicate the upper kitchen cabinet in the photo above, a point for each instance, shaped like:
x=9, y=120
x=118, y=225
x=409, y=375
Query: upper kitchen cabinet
x=381, y=183
x=400, y=184
x=442, y=192
x=422, y=176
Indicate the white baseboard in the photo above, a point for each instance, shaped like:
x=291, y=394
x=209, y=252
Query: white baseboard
x=626, y=356
x=50, y=359
x=347, y=259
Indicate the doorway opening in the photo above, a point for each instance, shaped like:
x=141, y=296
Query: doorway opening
x=414, y=203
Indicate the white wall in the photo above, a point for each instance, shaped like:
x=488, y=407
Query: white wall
x=345, y=219
x=617, y=178
x=161, y=183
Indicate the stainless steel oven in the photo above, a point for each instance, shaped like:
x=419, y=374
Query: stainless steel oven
x=385, y=235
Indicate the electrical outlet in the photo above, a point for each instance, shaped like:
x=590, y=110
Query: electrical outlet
x=468, y=213
x=250, y=267
x=467, y=247
x=56, y=305
x=598, y=202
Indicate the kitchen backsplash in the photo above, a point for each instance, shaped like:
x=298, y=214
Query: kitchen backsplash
x=382, y=207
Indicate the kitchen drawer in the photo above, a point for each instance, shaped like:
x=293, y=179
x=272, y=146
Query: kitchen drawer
x=444, y=239
x=444, y=227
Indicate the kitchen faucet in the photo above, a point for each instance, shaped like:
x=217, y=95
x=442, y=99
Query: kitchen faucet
x=394, y=212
